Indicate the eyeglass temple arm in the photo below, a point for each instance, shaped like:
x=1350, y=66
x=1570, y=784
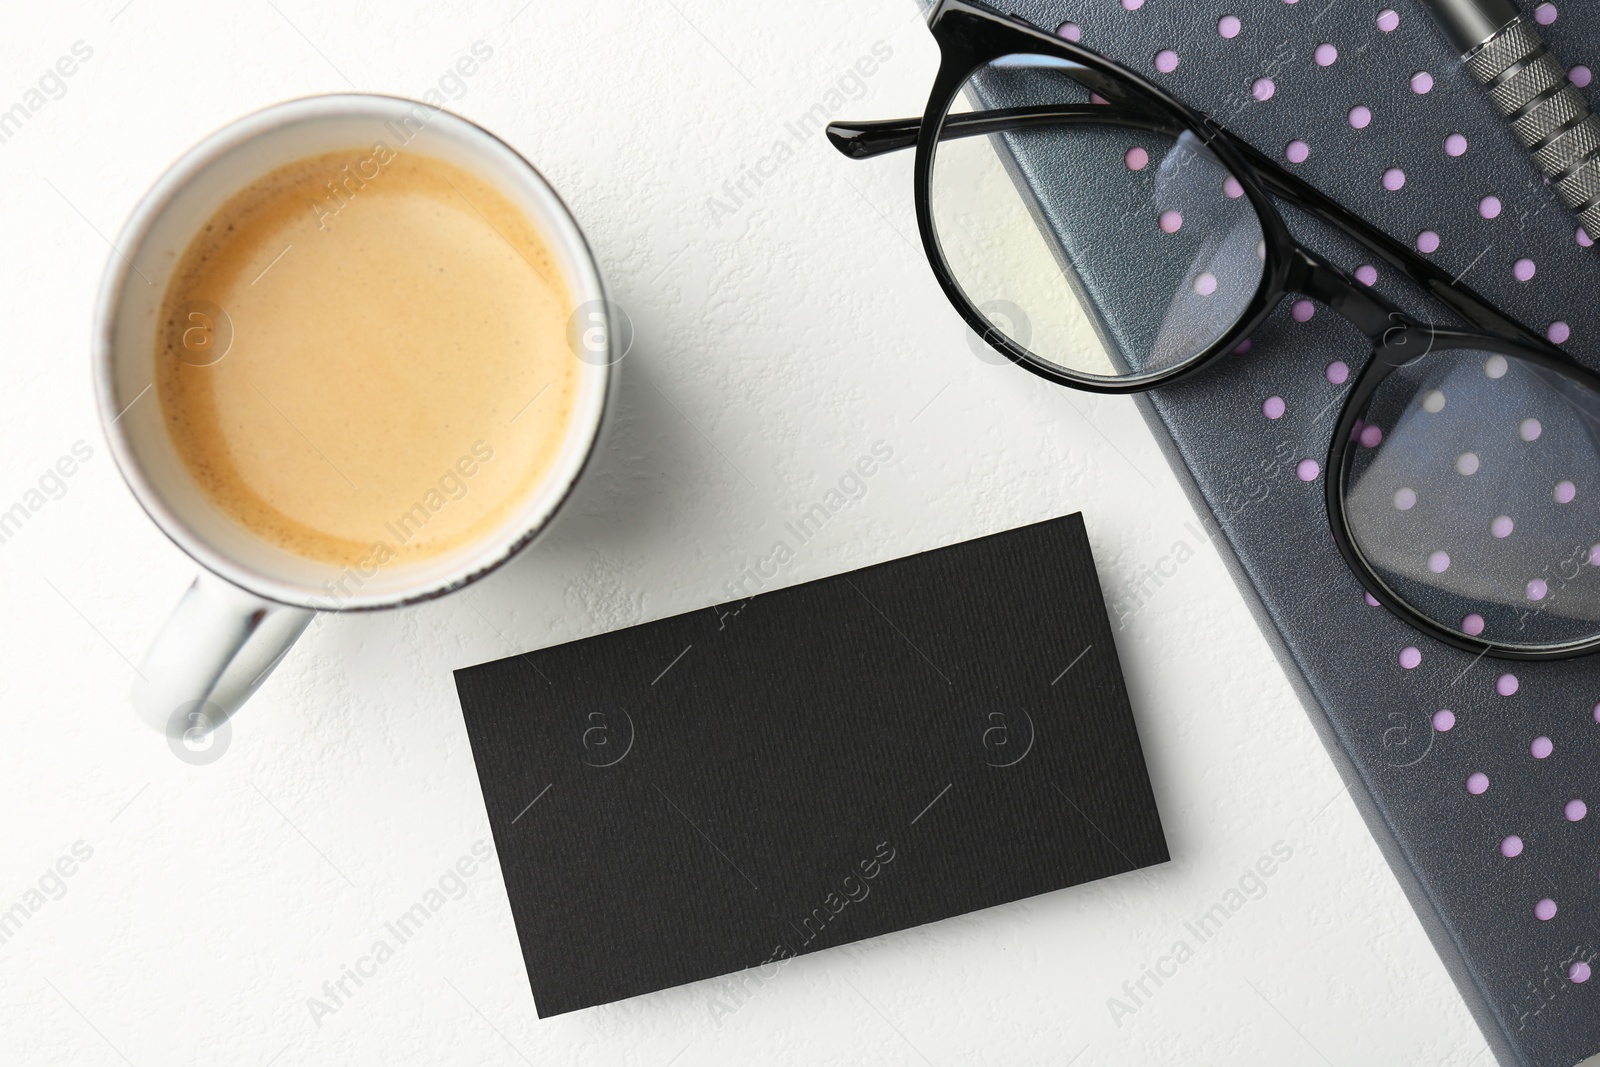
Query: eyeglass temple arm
x=864, y=140
x=1431, y=278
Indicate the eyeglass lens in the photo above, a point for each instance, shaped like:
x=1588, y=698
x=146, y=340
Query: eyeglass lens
x=1114, y=279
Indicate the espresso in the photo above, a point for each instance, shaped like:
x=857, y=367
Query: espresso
x=364, y=357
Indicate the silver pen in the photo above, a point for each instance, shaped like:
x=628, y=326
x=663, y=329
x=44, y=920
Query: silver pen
x=1530, y=87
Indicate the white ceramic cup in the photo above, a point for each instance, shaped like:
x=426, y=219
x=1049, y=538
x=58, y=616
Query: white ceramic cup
x=253, y=598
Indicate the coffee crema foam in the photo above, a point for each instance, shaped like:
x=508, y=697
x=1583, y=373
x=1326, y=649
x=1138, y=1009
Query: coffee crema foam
x=394, y=378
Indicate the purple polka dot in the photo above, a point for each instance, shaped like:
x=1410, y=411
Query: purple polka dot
x=1096, y=98
x=1575, y=811
x=1171, y=222
x=1166, y=61
x=1538, y=589
x=1583, y=239
x=1421, y=82
x=1405, y=499
x=1326, y=55
x=1541, y=748
x=1070, y=30
x=1594, y=561
x=1477, y=783
x=1388, y=20
x=1511, y=847
x=1297, y=152
x=1372, y=602
x=1307, y=470
x=1410, y=657
x=1367, y=274
x=1545, y=14
x=1545, y=910
x=1559, y=333
x=1530, y=429
x=1338, y=372
x=1565, y=492
x=1455, y=145
x=1427, y=242
x=1578, y=972
x=1360, y=116
x=1132, y=5
x=1524, y=270
x=1205, y=283
x=1444, y=720
x=1231, y=188
x=1229, y=26
x=1489, y=207
x=1303, y=310
x=1439, y=562
x=1243, y=346
x=1467, y=464
x=1502, y=526
x=1580, y=76
x=1393, y=179
x=1136, y=159
x=1472, y=625
x=1273, y=408
x=1263, y=88
x=1506, y=685
x=1371, y=437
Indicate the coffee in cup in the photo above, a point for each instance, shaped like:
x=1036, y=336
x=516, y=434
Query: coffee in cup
x=364, y=357
x=352, y=352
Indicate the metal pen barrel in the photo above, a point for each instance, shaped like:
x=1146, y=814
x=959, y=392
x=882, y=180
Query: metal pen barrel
x=1530, y=87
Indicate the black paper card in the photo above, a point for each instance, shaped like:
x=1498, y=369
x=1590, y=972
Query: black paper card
x=817, y=765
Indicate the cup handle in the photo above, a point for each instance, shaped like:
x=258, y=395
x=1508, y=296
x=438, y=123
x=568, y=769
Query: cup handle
x=216, y=649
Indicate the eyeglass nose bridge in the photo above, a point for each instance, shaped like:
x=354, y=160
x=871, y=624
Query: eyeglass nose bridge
x=1381, y=321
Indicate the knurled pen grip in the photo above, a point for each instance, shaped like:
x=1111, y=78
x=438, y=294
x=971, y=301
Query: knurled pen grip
x=1531, y=89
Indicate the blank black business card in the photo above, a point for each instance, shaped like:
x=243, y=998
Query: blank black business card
x=820, y=764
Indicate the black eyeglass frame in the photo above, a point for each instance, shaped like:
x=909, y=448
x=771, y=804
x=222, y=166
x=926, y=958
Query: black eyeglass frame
x=972, y=35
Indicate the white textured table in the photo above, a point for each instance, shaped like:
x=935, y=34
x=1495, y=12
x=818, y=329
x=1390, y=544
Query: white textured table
x=786, y=321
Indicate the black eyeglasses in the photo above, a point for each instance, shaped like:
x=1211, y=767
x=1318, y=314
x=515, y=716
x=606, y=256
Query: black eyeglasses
x=1104, y=236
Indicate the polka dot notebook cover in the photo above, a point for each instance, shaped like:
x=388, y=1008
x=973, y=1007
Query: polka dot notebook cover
x=1477, y=776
